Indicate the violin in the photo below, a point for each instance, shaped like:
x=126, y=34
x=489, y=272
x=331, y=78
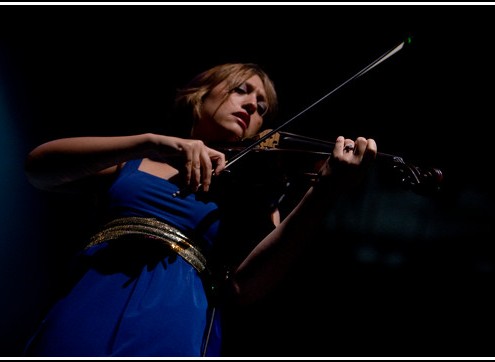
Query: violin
x=285, y=155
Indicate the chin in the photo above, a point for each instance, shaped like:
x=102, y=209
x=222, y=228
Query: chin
x=234, y=135
x=230, y=132
x=226, y=137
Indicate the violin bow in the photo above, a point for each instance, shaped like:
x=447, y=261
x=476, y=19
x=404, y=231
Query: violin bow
x=363, y=71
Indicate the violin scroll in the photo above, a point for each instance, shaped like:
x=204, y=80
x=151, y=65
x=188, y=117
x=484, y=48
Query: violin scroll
x=419, y=179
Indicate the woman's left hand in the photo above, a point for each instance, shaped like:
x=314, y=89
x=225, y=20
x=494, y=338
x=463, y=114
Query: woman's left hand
x=348, y=161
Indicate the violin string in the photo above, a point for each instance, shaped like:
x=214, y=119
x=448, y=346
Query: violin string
x=287, y=135
x=366, y=69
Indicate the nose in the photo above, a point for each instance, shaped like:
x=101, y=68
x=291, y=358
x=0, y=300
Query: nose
x=250, y=105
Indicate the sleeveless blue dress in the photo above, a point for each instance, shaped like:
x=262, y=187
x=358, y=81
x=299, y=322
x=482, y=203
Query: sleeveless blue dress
x=133, y=299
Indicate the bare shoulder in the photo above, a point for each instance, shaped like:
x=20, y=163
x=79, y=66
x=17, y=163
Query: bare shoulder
x=159, y=169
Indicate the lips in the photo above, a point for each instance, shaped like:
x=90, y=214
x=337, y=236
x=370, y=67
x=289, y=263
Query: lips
x=244, y=118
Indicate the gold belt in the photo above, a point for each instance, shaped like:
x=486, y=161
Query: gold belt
x=153, y=229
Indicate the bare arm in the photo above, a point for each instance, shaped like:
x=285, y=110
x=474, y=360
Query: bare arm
x=277, y=252
x=54, y=164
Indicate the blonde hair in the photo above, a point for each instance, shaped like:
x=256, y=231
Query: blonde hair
x=190, y=97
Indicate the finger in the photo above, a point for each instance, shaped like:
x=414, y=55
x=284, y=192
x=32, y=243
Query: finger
x=348, y=146
x=338, y=149
x=371, y=150
x=206, y=170
x=360, y=146
x=219, y=159
x=215, y=158
x=188, y=169
x=196, y=169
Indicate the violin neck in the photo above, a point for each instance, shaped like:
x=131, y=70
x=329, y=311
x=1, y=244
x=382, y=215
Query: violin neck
x=292, y=140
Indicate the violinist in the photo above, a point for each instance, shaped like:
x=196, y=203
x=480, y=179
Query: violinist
x=157, y=274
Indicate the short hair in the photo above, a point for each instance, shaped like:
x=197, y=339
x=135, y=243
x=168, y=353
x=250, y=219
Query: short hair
x=189, y=98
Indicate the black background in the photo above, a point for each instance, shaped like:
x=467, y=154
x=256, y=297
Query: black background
x=396, y=273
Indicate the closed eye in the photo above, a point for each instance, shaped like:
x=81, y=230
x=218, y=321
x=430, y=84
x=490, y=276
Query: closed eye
x=261, y=108
x=241, y=89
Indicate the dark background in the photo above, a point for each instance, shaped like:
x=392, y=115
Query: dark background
x=395, y=272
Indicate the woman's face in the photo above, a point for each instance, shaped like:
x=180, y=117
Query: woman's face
x=235, y=117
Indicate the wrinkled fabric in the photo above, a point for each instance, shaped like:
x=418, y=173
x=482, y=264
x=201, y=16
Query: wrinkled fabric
x=135, y=298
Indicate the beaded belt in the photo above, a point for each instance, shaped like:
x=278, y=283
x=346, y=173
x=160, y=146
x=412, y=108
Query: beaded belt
x=151, y=228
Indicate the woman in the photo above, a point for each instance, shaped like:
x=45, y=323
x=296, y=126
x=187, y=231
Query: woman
x=173, y=251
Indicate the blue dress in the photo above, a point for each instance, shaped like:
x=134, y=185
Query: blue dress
x=136, y=299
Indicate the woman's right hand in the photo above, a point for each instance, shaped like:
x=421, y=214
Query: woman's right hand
x=195, y=161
